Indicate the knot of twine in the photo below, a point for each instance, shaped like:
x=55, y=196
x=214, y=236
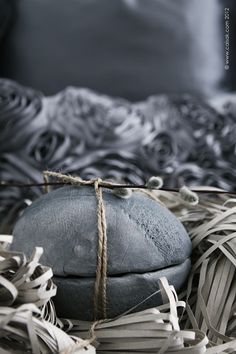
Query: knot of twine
x=99, y=298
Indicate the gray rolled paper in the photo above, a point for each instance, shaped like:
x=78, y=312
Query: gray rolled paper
x=19, y=108
x=145, y=241
x=181, y=138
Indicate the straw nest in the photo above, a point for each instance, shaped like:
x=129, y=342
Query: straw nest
x=202, y=318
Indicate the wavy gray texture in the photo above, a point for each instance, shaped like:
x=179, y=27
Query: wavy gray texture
x=180, y=137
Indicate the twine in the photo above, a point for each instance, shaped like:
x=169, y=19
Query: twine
x=100, y=296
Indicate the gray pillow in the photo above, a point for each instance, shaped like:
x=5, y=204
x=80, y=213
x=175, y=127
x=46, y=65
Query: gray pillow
x=126, y=48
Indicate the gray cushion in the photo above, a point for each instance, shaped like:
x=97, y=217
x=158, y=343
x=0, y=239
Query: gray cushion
x=127, y=48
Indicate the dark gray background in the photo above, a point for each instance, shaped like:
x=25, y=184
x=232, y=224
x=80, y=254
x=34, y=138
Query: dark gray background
x=127, y=48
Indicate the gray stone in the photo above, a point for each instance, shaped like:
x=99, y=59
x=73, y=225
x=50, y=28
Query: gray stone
x=143, y=238
x=75, y=296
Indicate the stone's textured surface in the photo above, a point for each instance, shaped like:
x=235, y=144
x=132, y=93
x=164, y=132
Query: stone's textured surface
x=142, y=235
x=145, y=241
x=75, y=296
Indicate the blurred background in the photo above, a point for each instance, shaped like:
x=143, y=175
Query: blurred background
x=121, y=89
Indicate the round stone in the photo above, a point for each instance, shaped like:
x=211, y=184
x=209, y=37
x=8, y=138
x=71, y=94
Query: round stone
x=145, y=241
